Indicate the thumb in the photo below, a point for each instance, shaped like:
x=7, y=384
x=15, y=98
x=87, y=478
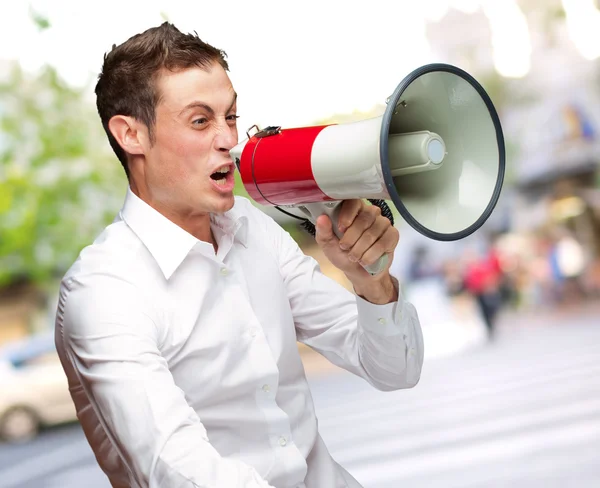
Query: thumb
x=324, y=231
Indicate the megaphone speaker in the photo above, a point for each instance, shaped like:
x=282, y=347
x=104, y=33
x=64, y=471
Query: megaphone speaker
x=437, y=153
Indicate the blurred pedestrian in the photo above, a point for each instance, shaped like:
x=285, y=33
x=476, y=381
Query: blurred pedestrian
x=421, y=266
x=482, y=278
x=567, y=262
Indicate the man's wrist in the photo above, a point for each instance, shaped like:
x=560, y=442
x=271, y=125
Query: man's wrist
x=378, y=290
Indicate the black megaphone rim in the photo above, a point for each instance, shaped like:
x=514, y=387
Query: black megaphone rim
x=383, y=147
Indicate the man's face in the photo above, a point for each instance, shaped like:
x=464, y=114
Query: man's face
x=188, y=169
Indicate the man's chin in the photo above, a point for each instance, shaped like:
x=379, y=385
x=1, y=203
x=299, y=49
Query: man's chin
x=227, y=202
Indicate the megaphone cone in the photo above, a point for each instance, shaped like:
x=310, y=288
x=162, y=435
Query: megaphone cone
x=437, y=153
x=457, y=198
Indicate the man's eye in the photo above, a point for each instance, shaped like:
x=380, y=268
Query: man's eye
x=232, y=117
x=199, y=122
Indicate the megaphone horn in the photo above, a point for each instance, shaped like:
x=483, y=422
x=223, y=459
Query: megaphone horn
x=437, y=152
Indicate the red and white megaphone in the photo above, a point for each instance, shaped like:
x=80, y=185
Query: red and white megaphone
x=437, y=153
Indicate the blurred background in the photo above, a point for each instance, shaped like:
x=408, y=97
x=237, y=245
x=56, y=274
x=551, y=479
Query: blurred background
x=510, y=391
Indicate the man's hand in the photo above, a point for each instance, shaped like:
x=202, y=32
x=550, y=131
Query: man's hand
x=367, y=236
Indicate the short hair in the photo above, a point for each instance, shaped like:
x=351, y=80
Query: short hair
x=127, y=83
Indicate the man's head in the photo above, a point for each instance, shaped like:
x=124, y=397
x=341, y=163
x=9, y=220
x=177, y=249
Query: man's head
x=169, y=110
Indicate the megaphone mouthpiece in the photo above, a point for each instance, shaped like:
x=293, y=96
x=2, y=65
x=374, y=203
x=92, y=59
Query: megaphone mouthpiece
x=414, y=152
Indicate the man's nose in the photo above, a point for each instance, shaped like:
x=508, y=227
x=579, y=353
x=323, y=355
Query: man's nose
x=226, y=138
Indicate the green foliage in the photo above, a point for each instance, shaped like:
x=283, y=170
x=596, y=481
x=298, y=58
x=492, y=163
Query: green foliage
x=40, y=21
x=59, y=185
x=239, y=187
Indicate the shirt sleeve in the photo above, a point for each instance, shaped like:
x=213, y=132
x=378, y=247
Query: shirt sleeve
x=112, y=341
x=381, y=343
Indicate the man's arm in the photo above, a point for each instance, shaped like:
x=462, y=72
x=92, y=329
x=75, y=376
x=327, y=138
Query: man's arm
x=113, y=342
x=381, y=342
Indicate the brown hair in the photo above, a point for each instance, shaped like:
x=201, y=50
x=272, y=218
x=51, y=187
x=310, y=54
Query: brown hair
x=126, y=84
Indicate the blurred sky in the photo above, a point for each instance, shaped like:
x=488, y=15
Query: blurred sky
x=292, y=62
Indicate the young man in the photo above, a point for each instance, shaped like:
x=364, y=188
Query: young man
x=177, y=327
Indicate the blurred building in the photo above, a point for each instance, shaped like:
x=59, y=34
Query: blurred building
x=550, y=116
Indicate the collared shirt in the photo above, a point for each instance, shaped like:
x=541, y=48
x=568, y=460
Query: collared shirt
x=183, y=363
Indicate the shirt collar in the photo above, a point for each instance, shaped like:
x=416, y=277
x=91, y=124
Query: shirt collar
x=232, y=223
x=168, y=243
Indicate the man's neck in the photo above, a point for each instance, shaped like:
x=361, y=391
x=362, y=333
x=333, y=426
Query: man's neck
x=198, y=225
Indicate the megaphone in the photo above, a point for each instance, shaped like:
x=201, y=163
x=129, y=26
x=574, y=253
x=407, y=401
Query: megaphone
x=437, y=153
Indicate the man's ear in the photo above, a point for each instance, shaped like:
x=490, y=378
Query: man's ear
x=131, y=135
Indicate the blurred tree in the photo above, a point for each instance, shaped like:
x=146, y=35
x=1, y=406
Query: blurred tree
x=41, y=22
x=59, y=183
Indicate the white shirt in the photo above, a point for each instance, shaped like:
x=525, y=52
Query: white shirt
x=183, y=364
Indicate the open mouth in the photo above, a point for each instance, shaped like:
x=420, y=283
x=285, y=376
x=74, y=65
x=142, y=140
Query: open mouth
x=220, y=176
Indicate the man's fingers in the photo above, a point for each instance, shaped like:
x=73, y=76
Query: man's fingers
x=368, y=238
x=324, y=230
x=348, y=212
x=364, y=220
x=385, y=245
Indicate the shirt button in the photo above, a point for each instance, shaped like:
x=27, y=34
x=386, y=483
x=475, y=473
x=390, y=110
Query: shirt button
x=224, y=272
x=266, y=388
x=253, y=332
x=382, y=321
x=282, y=441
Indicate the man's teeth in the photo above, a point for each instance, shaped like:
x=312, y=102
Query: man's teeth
x=220, y=175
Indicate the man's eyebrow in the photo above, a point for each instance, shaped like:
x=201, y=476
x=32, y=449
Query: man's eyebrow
x=208, y=108
x=198, y=104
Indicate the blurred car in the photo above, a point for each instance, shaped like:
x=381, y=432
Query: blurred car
x=33, y=389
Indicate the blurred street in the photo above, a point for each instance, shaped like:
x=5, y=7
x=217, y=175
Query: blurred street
x=520, y=412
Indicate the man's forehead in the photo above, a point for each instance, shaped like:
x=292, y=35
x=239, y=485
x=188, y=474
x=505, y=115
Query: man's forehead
x=178, y=89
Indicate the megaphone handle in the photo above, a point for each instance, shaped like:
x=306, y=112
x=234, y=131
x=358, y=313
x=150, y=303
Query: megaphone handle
x=332, y=210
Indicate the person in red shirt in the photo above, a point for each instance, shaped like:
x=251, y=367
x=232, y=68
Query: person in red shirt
x=482, y=279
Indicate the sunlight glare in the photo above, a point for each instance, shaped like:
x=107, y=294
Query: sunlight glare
x=583, y=24
x=511, y=40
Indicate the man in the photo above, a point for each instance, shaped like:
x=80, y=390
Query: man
x=177, y=327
